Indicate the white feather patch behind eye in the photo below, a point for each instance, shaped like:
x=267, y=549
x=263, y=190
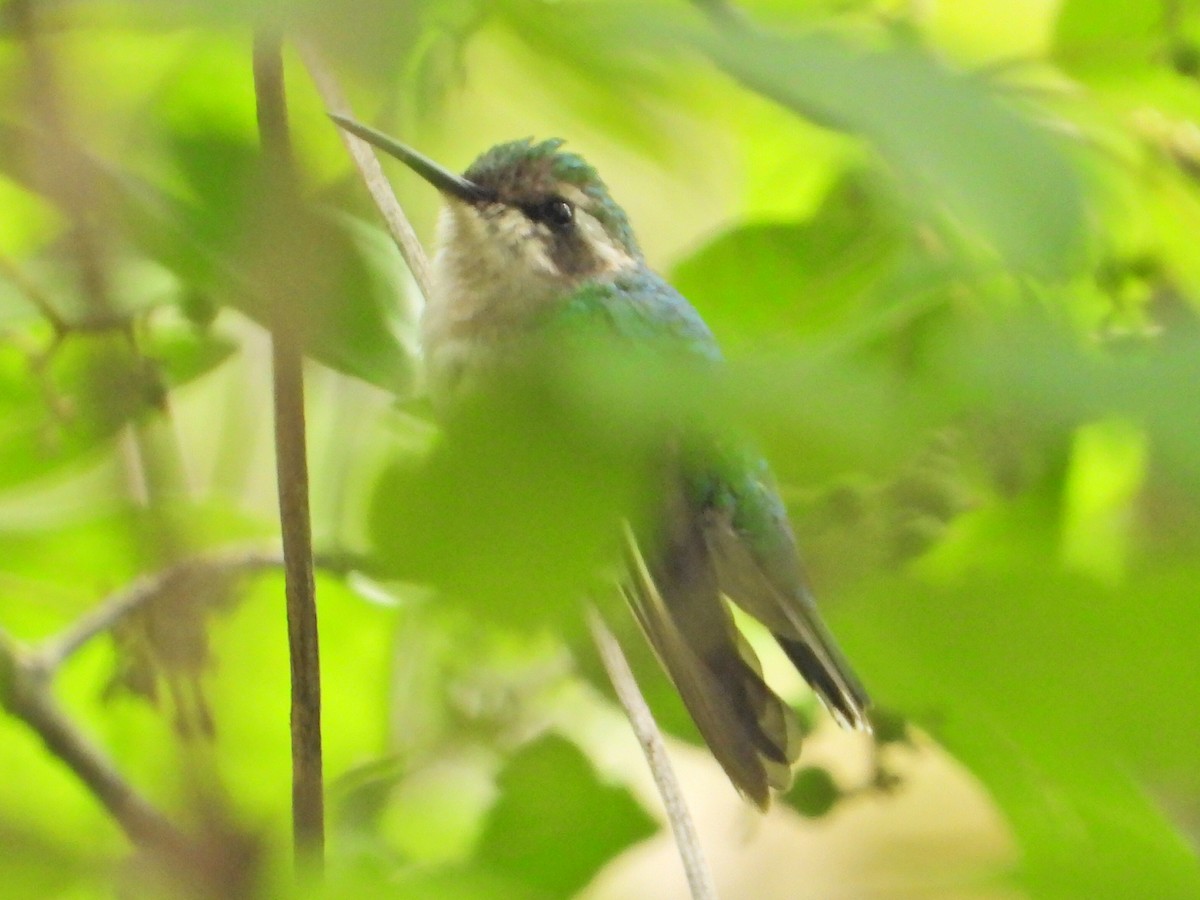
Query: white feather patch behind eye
x=613, y=257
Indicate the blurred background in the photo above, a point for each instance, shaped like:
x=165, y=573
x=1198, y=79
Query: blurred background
x=949, y=249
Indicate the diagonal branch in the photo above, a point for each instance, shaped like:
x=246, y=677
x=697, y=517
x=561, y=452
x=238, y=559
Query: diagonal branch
x=25, y=693
x=371, y=172
x=645, y=729
x=26, y=673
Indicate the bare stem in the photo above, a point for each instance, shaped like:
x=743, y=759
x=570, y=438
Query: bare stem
x=641, y=720
x=368, y=166
x=308, y=804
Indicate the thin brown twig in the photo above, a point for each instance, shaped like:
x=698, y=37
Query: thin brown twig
x=308, y=803
x=371, y=172
x=645, y=729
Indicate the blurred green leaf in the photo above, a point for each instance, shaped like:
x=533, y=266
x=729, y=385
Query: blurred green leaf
x=1105, y=34
x=516, y=506
x=62, y=555
x=555, y=824
x=1023, y=591
x=949, y=136
x=804, y=278
x=1065, y=697
x=250, y=676
x=90, y=386
x=226, y=240
x=27, y=221
x=462, y=883
x=37, y=867
x=335, y=275
x=813, y=792
x=187, y=355
x=578, y=47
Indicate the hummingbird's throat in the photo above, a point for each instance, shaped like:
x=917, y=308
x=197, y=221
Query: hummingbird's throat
x=495, y=272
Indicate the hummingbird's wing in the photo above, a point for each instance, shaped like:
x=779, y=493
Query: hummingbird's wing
x=758, y=567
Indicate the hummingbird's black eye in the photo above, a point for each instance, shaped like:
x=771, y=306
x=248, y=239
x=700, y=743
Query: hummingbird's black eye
x=555, y=212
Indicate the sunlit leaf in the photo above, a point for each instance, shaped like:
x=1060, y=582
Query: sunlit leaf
x=1101, y=34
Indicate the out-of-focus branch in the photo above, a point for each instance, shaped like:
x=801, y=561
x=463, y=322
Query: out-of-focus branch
x=27, y=673
x=25, y=694
x=291, y=471
x=371, y=172
x=33, y=293
x=53, y=652
x=723, y=13
x=641, y=720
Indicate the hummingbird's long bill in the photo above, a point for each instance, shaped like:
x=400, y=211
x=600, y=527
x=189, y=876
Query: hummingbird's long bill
x=441, y=178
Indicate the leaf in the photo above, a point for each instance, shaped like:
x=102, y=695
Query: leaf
x=27, y=221
x=555, y=823
x=1099, y=36
x=1063, y=698
x=228, y=241
x=71, y=549
x=576, y=51
x=340, y=287
x=517, y=505
x=92, y=385
x=805, y=277
x=464, y=883
x=813, y=793
x=953, y=141
x=946, y=133
x=187, y=354
x=95, y=383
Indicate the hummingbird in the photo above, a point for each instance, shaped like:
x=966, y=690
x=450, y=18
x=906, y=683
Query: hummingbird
x=528, y=232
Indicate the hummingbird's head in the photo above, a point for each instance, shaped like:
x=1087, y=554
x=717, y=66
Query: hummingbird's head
x=528, y=219
x=547, y=208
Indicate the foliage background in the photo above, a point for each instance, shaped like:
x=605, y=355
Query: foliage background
x=949, y=248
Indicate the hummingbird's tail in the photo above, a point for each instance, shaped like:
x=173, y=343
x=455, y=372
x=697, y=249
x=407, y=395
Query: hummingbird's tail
x=771, y=587
x=762, y=574
x=830, y=677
